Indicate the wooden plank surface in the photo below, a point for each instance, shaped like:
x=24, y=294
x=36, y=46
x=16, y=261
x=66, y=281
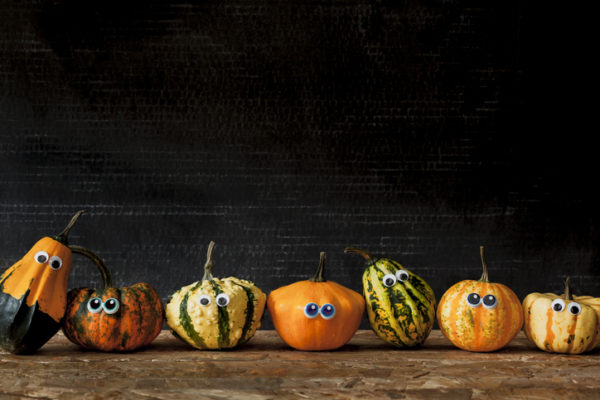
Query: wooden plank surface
x=266, y=368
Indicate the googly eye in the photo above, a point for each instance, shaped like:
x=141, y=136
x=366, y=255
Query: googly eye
x=402, y=275
x=574, y=308
x=490, y=301
x=474, y=300
x=41, y=257
x=558, y=305
x=389, y=280
x=311, y=310
x=111, y=306
x=222, y=299
x=55, y=262
x=204, y=299
x=327, y=311
x=94, y=305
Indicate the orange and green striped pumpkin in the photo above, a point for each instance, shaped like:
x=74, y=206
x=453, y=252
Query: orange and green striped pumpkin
x=400, y=304
x=562, y=324
x=112, y=319
x=480, y=315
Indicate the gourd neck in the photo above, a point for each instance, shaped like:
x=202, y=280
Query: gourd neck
x=568, y=295
x=320, y=274
x=365, y=254
x=208, y=266
x=63, y=236
x=484, y=275
x=95, y=258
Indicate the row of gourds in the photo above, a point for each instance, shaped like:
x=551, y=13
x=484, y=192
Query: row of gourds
x=316, y=314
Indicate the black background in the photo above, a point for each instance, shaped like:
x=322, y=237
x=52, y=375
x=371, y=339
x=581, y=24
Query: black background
x=417, y=130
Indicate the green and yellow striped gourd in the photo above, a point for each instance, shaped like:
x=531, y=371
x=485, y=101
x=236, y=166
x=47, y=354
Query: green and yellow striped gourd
x=400, y=304
x=216, y=313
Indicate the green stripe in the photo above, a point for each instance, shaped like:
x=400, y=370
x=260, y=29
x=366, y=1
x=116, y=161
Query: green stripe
x=223, y=318
x=249, y=313
x=186, y=321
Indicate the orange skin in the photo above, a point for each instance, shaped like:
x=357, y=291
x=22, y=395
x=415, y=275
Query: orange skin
x=286, y=306
x=479, y=329
x=136, y=324
x=47, y=287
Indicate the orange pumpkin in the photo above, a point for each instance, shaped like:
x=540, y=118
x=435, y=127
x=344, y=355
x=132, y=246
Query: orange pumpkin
x=111, y=319
x=479, y=315
x=316, y=314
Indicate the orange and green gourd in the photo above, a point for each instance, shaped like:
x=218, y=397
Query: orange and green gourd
x=480, y=316
x=400, y=304
x=33, y=294
x=112, y=319
x=562, y=323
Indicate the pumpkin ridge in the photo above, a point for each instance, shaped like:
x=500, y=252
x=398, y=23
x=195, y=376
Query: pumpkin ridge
x=510, y=314
x=405, y=307
x=549, y=331
x=186, y=321
x=384, y=305
x=223, y=318
x=249, y=312
x=571, y=332
x=378, y=324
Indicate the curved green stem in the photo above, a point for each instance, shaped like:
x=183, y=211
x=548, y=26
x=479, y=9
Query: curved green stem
x=209, y=263
x=320, y=274
x=365, y=254
x=568, y=295
x=484, y=276
x=95, y=258
x=63, y=236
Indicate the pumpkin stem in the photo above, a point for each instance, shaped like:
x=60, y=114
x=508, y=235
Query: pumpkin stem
x=209, y=263
x=63, y=236
x=95, y=258
x=568, y=288
x=319, y=275
x=484, y=276
x=365, y=254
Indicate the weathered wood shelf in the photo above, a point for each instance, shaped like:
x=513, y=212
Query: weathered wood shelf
x=266, y=368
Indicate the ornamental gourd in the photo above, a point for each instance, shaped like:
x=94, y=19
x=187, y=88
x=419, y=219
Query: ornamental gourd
x=562, y=324
x=33, y=294
x=112, y=319
x=216, y=313
x=400, y=304
x=479, y=315
x=316, y=314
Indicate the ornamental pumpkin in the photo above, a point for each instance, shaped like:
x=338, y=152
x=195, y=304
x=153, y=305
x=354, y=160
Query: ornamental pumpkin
x=562, y=324
x=111, y=319
x=479, y=315
x=400, y=304
x=216, y=313
x=316, y=314
x=33, y=294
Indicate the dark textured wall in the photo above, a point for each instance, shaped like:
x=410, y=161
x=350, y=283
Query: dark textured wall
x=418, y=130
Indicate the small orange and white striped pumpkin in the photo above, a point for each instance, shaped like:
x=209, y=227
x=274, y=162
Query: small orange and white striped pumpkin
x=562, y=324
x=480, y=315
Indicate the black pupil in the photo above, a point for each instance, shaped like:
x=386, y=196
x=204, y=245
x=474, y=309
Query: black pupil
x=204, y=301
x=489, y=300
x=41, y=258
x=312, y=308
x=403, y=276
x=95, y=303
x=473, y=298
x=389, y=281
x=327, y=310
x=222, y=300
x=557, y=307
x=55, y=264
x=110, y=304
x=574, y=309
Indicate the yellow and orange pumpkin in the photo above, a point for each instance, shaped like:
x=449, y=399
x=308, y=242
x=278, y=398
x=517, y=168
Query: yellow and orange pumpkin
x=33, y=294
x=316, y=314
x=562, y=324
x=480, y=315
x=112, y=319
